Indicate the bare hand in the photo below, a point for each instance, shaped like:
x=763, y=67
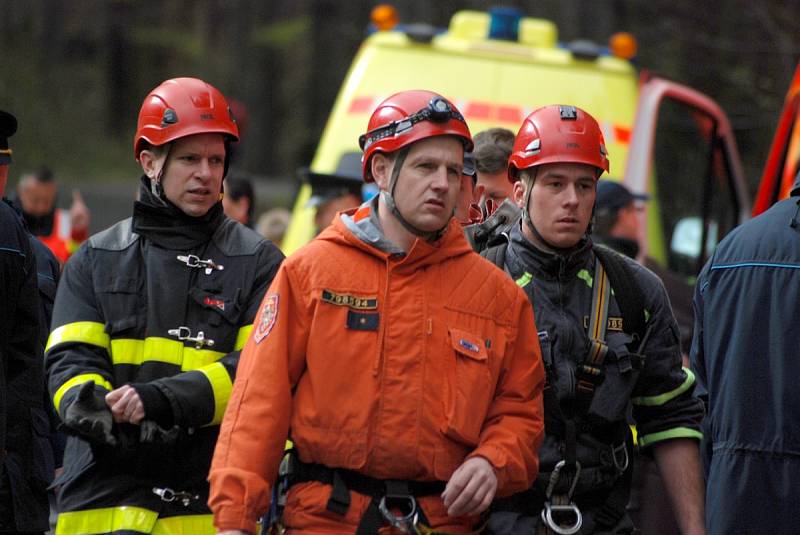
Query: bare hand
x=471, y=488
x=78, y=212
x=125, y=405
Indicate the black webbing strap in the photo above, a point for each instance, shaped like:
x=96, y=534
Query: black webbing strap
x=616, y=502
x=496, y=254
x=343, y=481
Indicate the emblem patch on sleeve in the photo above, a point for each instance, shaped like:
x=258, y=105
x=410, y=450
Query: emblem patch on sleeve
x=266, y=320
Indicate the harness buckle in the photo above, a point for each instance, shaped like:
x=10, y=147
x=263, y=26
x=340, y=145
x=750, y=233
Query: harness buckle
x=184, y=333
x=571, y=508
x=193, y=261
x=168, y=495
x=406, y=523
x=615, y=456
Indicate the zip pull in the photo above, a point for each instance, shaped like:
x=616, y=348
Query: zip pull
x=185, y=334
x=169, y=495
x=193, y=261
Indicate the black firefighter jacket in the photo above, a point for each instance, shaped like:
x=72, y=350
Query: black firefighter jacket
x=20, y=350
x=161, y=319
x=656, y=387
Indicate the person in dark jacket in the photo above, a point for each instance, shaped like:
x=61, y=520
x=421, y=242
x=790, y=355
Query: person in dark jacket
x=746, y=357
x=598, y=363
x=23, y=423
x=149, y=319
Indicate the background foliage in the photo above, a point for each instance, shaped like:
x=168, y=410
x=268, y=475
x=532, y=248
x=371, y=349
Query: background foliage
x=76, y=71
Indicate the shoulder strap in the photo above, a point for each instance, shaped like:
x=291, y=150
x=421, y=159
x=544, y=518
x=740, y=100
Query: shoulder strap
x=496, y=254
x=628, y=294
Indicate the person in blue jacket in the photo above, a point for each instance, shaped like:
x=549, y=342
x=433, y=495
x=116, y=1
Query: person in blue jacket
x=746, y=356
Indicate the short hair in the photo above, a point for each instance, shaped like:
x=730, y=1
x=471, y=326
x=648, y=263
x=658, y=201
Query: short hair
x=492, y=149
x=237, y=187
x=41, y=174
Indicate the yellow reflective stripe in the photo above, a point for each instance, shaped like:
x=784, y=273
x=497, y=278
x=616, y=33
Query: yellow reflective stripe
x=221, y=384
x=79, y=380
x=87, y=332
x=137, y=352
x=186, y=525
x=678, y=432
x=241, y=338
x=654, y=401
x=106, y=520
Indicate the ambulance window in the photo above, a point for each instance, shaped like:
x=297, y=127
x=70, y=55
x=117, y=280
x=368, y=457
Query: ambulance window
x=695, y=196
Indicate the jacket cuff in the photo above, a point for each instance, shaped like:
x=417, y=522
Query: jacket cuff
x=156, y=404
x=232, y=518
x=496, y=458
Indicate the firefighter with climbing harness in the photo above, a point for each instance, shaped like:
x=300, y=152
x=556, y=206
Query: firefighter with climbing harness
x=148, y=322
x=609, y=342
x=402, y=365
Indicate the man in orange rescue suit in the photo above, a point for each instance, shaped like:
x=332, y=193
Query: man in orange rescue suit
x=402, y=365
x=148, y=322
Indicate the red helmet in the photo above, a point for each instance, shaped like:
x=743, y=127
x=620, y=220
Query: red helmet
x=407, y=117
x=558, y=134
x=182, y=107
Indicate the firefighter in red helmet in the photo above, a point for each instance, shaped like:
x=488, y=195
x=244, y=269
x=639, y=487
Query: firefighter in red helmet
x=395, y=357
x=148, y=322
x=609, y=344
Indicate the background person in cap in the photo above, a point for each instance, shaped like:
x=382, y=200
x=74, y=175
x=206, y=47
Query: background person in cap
x=618, y=224
x=337, y=192
x=618, y=215
x=148, y=323
x=400, y=362
x=26, y=464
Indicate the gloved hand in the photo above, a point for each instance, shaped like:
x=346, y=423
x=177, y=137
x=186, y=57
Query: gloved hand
x=89, y=417
x=152, y=433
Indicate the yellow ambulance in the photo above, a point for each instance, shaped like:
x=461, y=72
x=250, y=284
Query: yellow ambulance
x=498, y=66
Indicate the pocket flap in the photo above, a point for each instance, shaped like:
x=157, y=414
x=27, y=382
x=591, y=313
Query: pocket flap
x=468, y=344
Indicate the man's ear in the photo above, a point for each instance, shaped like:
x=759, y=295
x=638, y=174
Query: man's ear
x=519, y=193
x=381, y=169
x=150, y=164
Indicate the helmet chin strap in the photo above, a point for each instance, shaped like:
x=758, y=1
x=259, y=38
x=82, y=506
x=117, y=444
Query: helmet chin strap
x=526, y=217
x=388, y=200
x=155, y=183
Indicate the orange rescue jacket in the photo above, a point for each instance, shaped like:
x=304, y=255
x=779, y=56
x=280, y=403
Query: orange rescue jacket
x=398, y=367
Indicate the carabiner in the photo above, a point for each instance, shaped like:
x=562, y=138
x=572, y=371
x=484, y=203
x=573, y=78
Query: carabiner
x=620, y=465
x=406, y=523
x=555, y=475
x=547, y=518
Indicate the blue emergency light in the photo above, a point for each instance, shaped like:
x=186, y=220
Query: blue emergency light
x=504, y=23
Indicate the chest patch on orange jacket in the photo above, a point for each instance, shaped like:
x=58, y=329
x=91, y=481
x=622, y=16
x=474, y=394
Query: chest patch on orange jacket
x=350, y=301
x=266, y=320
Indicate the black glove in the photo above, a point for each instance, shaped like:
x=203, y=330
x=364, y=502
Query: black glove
x=152, y=433
x=89, y=417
